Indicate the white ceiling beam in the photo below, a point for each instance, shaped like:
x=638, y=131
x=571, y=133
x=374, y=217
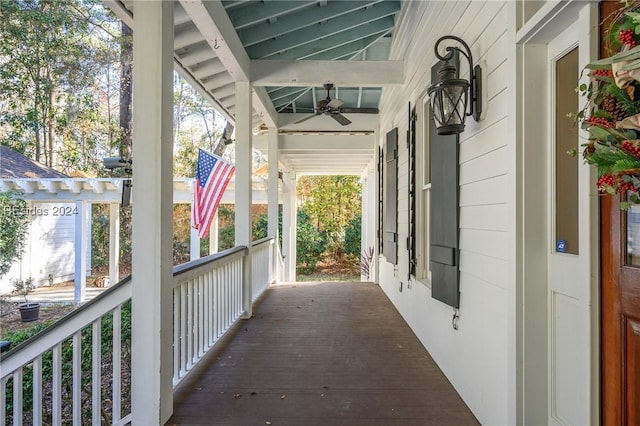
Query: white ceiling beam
x=212, y=21
x=314, y=73
x=330, y=172
x=324, y=142
x=327, y=152
x=321, y=162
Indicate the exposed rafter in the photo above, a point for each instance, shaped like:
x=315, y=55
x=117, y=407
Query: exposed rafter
x=292, y=22
x=314, y=35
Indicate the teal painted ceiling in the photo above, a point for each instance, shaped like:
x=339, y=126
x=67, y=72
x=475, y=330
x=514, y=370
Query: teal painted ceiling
x=318, y=30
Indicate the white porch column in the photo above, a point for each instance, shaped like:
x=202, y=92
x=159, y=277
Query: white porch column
x=194, y=238
x=114, y=243
x=289, y=227
x=272, y=194
x=152, y=328
x=80, y=273
x=214, y=234
x=369, y=209
x=244, y=191
x=364, y=215
x=89, y=207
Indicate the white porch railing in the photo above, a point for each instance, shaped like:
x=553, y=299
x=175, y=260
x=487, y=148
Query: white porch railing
x=207, y=301
x=262, y=266
x=53, y=377
x=279, y=263
x=58, y=373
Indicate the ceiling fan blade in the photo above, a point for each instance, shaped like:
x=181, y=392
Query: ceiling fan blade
x=359, y=110
x=340, y=118
x=335, y=103
x=303, y=119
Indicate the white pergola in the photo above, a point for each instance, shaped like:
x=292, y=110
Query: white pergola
x=83, y=192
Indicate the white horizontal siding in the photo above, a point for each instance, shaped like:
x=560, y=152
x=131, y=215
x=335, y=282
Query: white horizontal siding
x=487, y=217
x=49, y=250
x=476, y=357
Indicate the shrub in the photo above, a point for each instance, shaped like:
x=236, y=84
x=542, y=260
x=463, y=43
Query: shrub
x=352, y=236
x=310, y=242
x=14, y=225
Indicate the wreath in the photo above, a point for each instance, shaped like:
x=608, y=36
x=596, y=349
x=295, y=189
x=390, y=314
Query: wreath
x=612, y=113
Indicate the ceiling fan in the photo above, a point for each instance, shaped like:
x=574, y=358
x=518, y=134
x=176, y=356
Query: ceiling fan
x=334, y=108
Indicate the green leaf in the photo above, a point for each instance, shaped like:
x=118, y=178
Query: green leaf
x=632, y=65
x=598, y=133
x=625, y=164
x=635, y=16
x=628, y=55
x=624, y=205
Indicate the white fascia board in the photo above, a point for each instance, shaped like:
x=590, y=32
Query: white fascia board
x=314, y=73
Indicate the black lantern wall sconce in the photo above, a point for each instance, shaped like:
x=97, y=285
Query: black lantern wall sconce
x=450, y=95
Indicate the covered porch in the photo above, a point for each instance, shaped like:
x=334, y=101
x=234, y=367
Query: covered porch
x=319, y=354
x=195, y=331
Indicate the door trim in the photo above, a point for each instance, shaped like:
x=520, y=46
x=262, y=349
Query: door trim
x=533, y=200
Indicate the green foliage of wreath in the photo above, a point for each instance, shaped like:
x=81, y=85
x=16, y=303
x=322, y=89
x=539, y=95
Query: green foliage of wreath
x=612, y=112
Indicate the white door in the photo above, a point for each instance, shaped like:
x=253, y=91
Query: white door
x=570, y=235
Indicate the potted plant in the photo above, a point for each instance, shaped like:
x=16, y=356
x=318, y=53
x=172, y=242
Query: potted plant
x=28, y=311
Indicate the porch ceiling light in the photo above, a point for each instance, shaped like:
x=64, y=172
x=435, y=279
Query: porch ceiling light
x=450, y=94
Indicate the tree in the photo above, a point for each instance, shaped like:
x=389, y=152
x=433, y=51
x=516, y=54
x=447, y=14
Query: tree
x=50, y=60
x=126, y=90
x=195, y=125
x=14, y=225
x=332, y=202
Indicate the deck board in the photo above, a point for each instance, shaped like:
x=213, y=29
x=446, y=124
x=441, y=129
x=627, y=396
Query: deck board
x=320, y=354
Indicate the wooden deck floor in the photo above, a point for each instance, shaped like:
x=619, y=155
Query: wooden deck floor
x=327, y=354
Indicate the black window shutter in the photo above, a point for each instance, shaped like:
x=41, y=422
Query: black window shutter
x=444, y=251
x=390, y=239
x=411, y=147
x=380, y=199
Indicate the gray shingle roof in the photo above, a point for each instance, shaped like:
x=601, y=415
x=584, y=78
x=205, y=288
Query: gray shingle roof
x=15, y=165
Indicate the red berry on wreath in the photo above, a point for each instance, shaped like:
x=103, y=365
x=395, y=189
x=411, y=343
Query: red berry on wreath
x=603, y=73
x=632, y=147
x=627, y=37
x=606, y=181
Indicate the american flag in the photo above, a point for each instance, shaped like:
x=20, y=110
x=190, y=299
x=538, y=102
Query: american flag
x=212, y=178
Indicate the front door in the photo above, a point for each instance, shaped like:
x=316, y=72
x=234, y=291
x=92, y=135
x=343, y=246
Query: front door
x=620, y=313
x=620, y=302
